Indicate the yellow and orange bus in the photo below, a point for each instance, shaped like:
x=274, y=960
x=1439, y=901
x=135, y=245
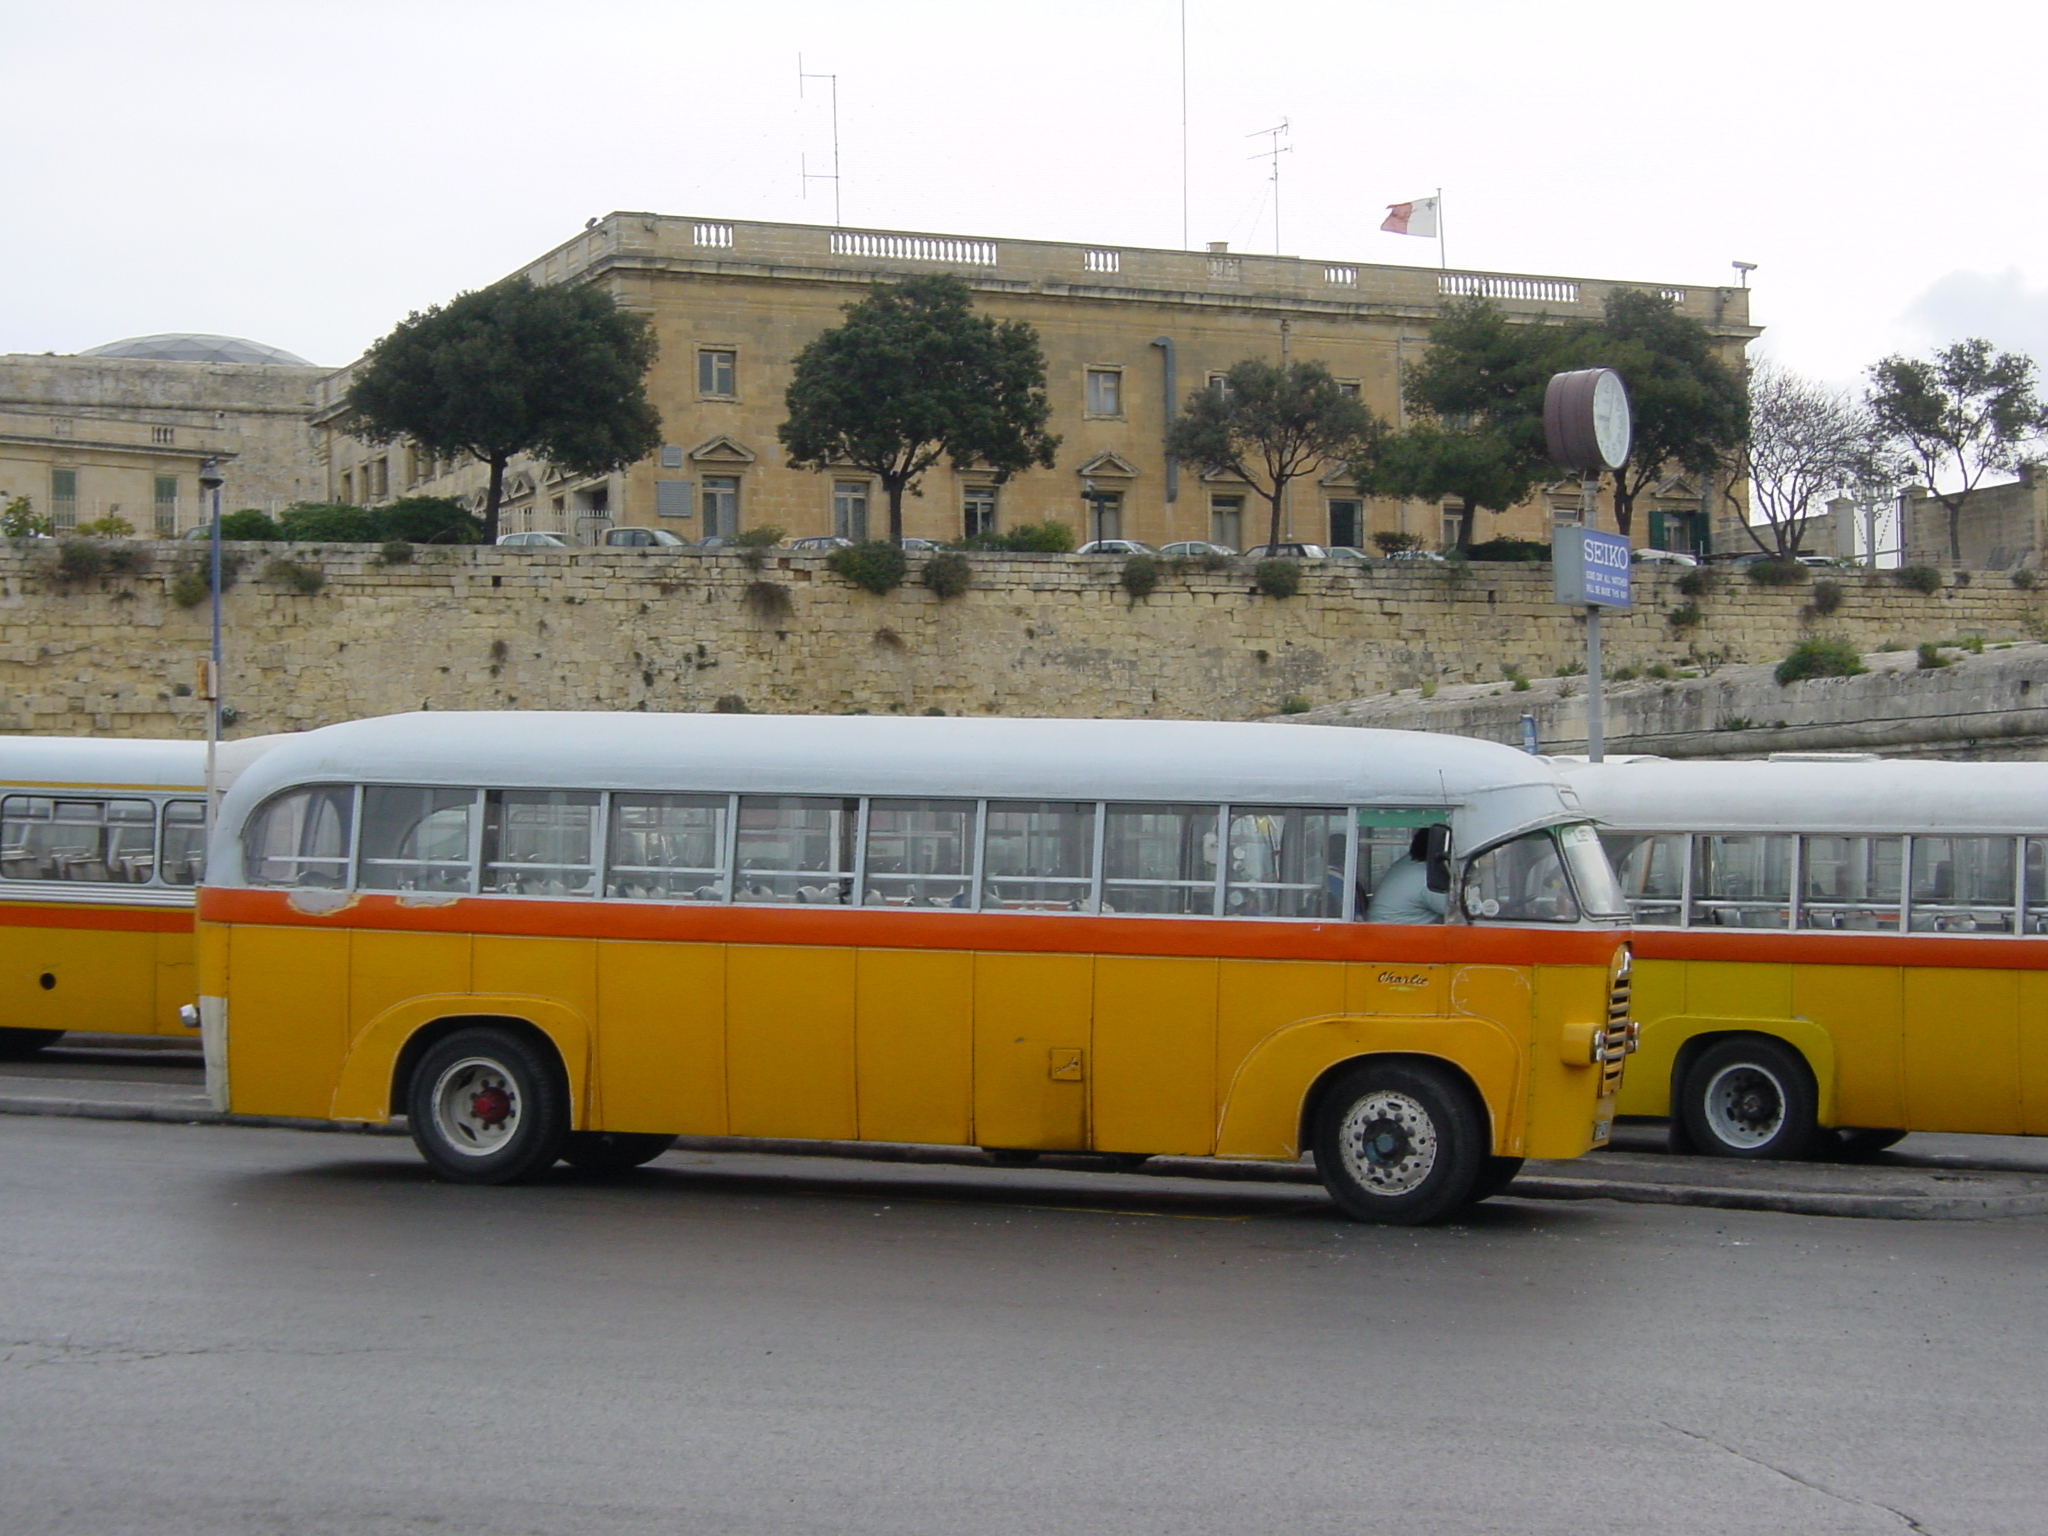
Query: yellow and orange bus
x=1833, y=952
x=101, y=846
x=544, y=936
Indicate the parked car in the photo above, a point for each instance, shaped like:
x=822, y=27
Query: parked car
x=533, y=541
x=1346, y=552
x=920, y=546
x=1662, y=557
x=1415, y=554
x=1287, y=552
x=641, y=538
x=822, y=541
x=1743, y=562
x=1114, y=547
x=1195, y=548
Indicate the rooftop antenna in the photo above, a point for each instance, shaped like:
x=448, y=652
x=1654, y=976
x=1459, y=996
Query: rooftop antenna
x=810, y=175
x=1273, y=152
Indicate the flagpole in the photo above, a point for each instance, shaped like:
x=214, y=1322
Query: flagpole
x=1443, y=258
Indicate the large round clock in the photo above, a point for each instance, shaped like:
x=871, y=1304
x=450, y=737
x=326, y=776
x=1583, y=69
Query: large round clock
x=1586, y=422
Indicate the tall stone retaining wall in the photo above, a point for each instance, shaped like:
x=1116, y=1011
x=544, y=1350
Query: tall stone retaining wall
x=1035, y=635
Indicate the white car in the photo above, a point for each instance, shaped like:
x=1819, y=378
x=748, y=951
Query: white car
x=1194, y=548
x=533, y=540
x=641, y=538
x=1662, y=557
x=1114, y=547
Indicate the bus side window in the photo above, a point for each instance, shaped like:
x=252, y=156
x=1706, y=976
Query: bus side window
x=416, y=839
x=1851, y=882
x=1741, y=880
x=669, y=847
x=540, y=842
x=796, y=849
x=47, y=838
x=1651, y=868
x=2037, y=886
x=1962, y=885
x=301, y=839
x=1279, y=862
x=1040, y=856
x=1161, y=859
x=919, y=853
x=183, y=861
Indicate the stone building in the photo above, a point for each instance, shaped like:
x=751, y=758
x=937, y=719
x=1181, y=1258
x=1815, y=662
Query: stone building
x=1127, y=333
x=121, y=430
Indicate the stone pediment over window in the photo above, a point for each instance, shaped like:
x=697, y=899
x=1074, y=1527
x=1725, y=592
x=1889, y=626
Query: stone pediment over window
x=722, y=450
x=518, y=483
x=1108, y=466
x=1338, y=477
x=1677, y=488
x=1222, y=476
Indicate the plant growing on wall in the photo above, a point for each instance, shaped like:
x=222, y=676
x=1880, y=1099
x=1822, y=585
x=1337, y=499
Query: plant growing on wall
x=1271, y=424
x=914, y=376
x=513, y=368
x=19, y=520
x=876, y=566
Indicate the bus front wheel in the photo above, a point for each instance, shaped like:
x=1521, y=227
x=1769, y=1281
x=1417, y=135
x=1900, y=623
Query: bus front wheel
x=1749, y=1096
x=17, y=1043
x=613, y=1151
x=488, y=1106
x=1400, y=1142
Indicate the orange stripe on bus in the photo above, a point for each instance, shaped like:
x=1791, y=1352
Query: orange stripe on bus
x=1991, y=952
x=100, y=919
x=870, y=927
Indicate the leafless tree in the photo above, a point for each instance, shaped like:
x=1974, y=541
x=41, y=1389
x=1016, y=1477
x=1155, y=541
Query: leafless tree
x=1806, y=443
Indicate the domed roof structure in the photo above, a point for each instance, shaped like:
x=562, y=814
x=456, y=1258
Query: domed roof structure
x=192, y=347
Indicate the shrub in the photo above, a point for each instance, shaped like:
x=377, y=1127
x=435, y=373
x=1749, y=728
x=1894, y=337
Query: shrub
x=188, y=589
x=1623, y=675
x=1140, y=577
x=1520, y=684
x=1699, y=581
x=311, y=522
x=1924, y=579
x=1777, y=573
x=126, y=559
x=876, y=566
x=306, y=580
x=395, y=552
x=1930, y=657
x=1294, y=704
x=1688, y=617
x=1508, y=549
x=767, y=536
x=1046, y=538
x=767, y=600
x=1389, y=542
x=1734, y=723
x=2025, y=580
x=250, y=526
x=1428, y=690
x=108, y=527
x=1819, y=656
x=1277, y=578
x=730, y=704
x=1660, y=670
x=426, y=520
x=948, y=575
x=80, y=560
x=1827, y=599
x=18, y=520
x=1974, y=644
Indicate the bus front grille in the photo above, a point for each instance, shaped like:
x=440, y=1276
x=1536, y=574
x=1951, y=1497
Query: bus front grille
x=1618, y=1038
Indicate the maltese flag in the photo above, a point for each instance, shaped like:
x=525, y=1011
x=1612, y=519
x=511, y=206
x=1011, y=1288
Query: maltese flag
x=1416, y=218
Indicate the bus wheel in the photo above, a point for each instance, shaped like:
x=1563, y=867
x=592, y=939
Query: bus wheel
x=1494, y=1179
x=17, y=1043
x=1851, y=1144
x=613, y=1151
x=487, y=1107
x=1400, y=1142
x=1749, y=1097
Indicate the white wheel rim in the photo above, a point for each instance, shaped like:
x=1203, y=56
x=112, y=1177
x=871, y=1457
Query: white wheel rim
x=476, y=1106
x=1388, y=1142
x=1745, y=1105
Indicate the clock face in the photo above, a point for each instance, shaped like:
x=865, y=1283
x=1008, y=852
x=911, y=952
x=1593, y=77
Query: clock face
x=1612, y=430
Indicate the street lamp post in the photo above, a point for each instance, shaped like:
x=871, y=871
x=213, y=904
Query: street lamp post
x=210, y=479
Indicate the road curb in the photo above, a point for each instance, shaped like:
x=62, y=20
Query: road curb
x=1536, y=1185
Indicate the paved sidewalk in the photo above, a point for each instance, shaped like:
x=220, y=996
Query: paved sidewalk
x=1940, y=1178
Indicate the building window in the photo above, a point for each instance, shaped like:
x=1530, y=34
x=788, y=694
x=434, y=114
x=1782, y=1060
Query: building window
x=166, y=506
x=1347, y=523
x=675, y=498
x=671, y=456
x=1348, y=388
x=64, y=498
x=348, y=488
x=1105, y=392
x=1457, y=527
x=721, y=506
x=1105, y=514
x=377, y=479
x=978, y=510
x=718, y=372
x=850, y=510
x=1226, y=521
x=1219, y=384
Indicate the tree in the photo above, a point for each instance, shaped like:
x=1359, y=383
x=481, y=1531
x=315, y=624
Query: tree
x=1805, y=442
x=514, y=368
x=1269, y=425
x=914, y=376
x=1969, y=411
x=1689, y=407
x=1477, y=395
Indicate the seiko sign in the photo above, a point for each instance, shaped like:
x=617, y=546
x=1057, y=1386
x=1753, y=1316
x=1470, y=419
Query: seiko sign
x=1590, y=569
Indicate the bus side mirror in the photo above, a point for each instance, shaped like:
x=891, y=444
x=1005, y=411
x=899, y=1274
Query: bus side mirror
x=1438, y=861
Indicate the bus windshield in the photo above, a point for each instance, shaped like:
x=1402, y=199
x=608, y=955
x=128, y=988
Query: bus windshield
x=1552, y=876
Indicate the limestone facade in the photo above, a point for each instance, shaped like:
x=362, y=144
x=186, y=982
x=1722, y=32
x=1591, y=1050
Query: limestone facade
x=91, y=437
x=2000, y=527
x=1127, y=333
x=479, y=628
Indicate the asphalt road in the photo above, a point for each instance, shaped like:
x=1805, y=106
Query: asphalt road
x=226, y=1330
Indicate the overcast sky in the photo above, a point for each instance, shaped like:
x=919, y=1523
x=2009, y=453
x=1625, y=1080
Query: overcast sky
x=304, y=175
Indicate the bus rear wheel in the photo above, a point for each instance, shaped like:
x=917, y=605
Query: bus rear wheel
x=1400, y=1142
x=17, y=1043
x=613, y=1151
x=1749, y=1096
x=488, y=1106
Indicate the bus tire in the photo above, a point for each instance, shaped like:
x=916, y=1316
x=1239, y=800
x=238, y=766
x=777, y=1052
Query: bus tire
x=613, y=1151
x=1749, y=1096
x=1851, y=1144
x=17, y=1043
x=1402, y=1142
x=488, y=1106
x=1494, y=1179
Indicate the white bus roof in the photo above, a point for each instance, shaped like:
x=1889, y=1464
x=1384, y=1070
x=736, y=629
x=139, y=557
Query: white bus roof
x=1877, y=795
x=91, y=762
x=1127, y=760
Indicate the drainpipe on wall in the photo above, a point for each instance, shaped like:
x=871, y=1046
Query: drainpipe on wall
x=1172, y=395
